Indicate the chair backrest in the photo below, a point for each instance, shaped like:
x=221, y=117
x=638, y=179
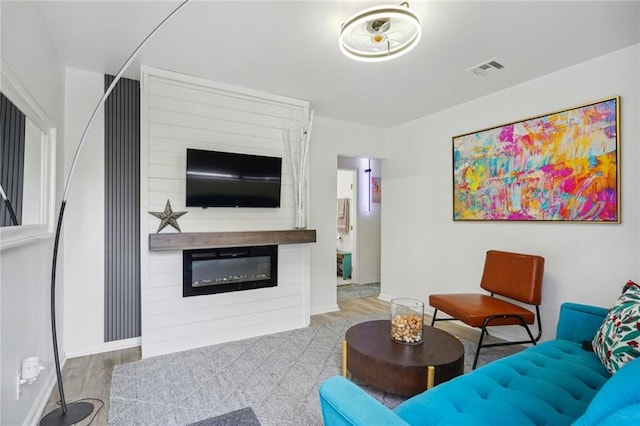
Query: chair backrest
x=514, y=275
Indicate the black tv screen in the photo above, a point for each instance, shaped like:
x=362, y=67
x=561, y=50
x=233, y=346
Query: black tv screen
x=226, y=179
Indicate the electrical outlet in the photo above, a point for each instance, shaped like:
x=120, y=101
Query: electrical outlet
x=18, y=388
x=31, y=368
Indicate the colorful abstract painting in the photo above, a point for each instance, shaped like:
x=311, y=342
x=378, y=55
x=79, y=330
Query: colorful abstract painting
x=557, y=167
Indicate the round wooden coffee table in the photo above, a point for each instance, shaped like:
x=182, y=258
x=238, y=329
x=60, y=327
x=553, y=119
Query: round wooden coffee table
x=373, y=357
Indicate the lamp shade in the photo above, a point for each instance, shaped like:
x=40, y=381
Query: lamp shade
x=380, y=33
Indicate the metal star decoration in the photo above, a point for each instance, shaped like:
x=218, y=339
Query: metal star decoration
x=168, y=217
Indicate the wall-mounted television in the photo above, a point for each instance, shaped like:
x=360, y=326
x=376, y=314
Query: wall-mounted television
x=227, y=179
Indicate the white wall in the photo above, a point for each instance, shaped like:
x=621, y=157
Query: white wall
x=180, y=112
x=83, y=241
x=330, y=139
x=84, y=214
x=425, y=252
x=25, y=270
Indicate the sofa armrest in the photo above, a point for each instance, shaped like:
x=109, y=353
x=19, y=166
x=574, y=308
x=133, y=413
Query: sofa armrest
x=344, y=403
x=578, y=322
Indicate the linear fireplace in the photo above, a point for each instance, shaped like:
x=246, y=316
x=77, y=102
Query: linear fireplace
x=221, y=270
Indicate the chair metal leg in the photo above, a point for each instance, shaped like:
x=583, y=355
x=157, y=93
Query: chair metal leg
x=485, y=332
x=526, y=327
x=475, y=359
x=532, y=340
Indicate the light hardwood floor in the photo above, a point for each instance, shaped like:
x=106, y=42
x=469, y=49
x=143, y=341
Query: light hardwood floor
x=90, y=376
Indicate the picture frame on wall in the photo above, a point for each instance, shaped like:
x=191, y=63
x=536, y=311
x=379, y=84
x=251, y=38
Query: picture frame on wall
x=561, y=166
x=376, y=190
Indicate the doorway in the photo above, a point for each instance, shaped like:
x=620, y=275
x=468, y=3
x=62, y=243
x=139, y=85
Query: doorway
x=346, y=233
x=359, y=180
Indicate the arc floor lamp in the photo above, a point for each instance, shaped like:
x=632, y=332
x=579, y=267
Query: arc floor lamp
x=68, y=414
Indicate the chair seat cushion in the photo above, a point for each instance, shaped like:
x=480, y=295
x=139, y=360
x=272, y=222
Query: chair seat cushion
x=548, y=384
x=473, y=309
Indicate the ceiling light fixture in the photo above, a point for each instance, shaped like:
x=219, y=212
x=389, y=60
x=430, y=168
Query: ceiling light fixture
x=380, y=33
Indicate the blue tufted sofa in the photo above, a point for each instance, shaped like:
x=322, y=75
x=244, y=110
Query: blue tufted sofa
x=554, y=383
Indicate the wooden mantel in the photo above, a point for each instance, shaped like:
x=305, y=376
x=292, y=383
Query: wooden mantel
x=198, y=240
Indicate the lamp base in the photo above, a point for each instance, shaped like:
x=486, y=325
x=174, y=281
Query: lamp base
x=76, y=411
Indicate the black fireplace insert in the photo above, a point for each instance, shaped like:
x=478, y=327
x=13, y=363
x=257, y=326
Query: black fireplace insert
x=221, y=270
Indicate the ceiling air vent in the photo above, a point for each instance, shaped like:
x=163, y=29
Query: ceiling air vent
x=485, y=67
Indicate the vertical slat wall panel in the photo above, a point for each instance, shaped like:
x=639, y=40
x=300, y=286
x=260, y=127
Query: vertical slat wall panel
x=12, y=132
x=122, y=211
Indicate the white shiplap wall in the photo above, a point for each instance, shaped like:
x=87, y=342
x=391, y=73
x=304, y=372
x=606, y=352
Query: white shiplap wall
x=180, y=112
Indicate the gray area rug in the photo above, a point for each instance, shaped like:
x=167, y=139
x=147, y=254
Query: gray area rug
x=278, y=375
x=354, y=291
x=244, y=417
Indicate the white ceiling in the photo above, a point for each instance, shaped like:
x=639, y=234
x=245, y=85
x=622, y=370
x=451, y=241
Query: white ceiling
x=291, y=48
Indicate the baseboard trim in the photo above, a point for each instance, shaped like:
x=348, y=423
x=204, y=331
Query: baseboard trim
x=368, y=281
x=33, y=416
x=385, y=297
x=103, y=347
x=324, y=309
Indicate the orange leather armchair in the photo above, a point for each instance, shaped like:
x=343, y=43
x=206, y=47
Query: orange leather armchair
x=514, y=277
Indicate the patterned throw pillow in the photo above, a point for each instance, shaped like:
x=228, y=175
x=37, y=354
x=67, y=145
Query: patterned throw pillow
x=618, y=338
